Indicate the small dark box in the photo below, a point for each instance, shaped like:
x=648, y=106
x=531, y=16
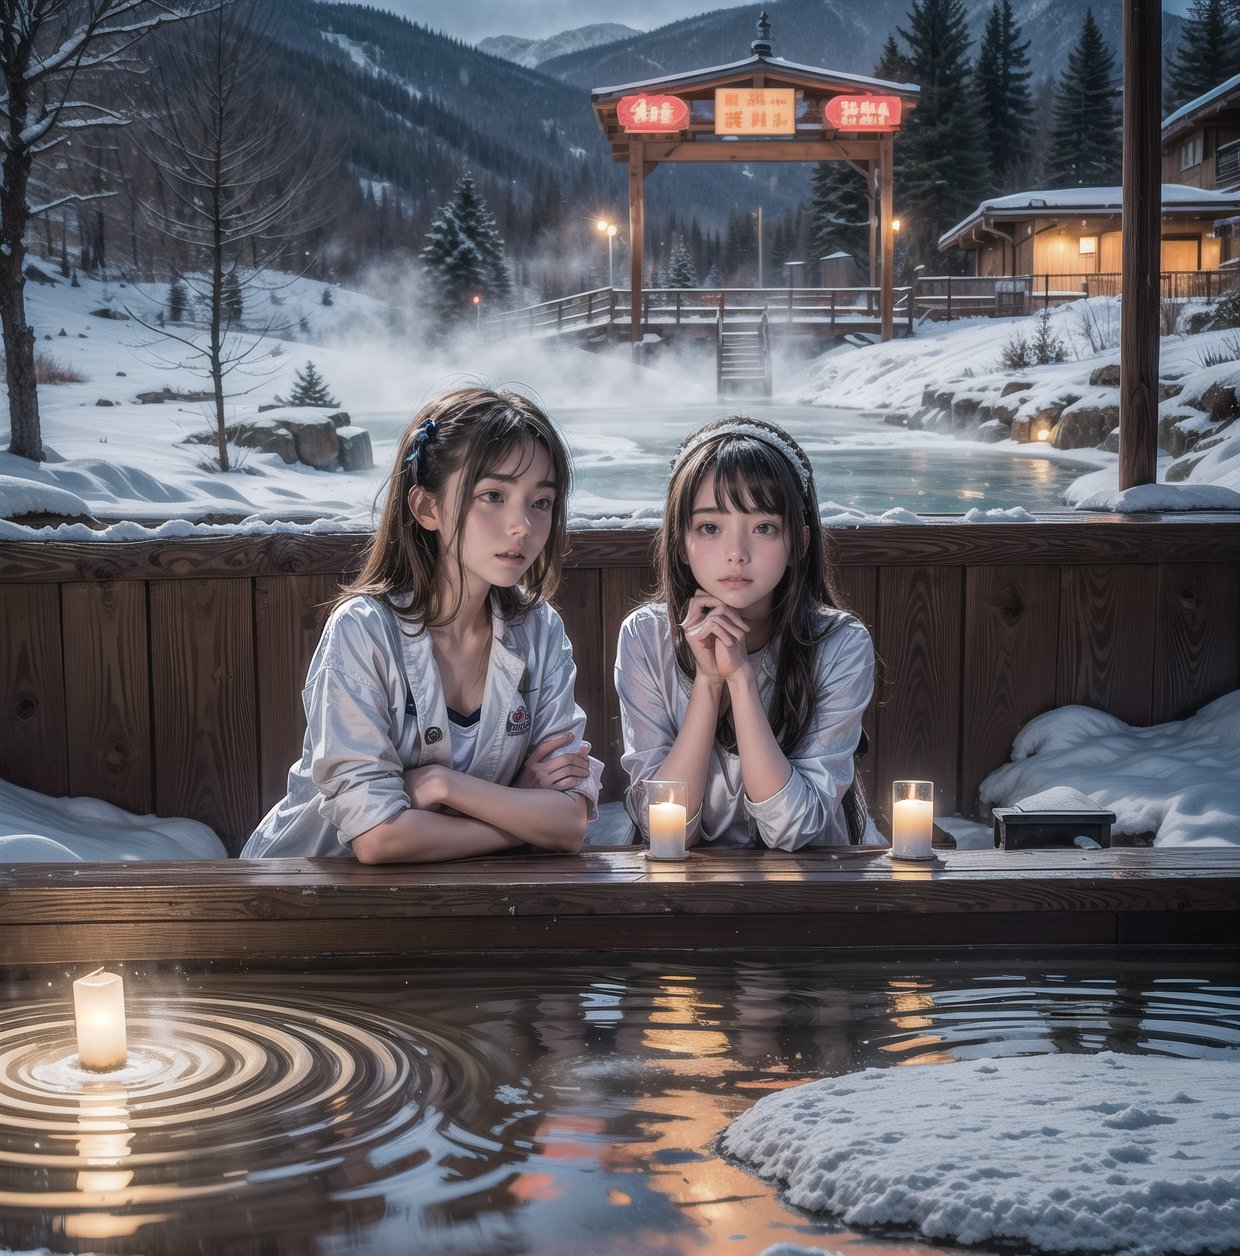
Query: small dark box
x=1055, y=817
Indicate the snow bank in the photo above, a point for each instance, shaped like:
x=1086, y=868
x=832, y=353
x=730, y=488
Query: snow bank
x=1178, y=781
x=38, y=829
x=1068, y=1153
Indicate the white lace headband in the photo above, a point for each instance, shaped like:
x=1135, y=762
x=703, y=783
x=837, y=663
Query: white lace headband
x=743, y=427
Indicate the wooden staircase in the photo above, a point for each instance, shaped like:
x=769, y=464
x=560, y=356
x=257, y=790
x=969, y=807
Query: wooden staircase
x=743, y=358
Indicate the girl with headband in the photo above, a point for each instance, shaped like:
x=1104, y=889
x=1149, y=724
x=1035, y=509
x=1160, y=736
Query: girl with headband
x=440, y=719
x=744, y=678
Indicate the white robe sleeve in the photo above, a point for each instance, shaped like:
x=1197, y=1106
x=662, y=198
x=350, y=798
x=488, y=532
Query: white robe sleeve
x=647, y=721
x=822, y=764
x=556, y=709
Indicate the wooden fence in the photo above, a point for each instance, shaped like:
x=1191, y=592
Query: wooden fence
x=165, y=676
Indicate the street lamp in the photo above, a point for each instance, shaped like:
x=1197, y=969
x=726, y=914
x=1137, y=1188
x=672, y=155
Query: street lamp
x=477, y=300
x=610, y=230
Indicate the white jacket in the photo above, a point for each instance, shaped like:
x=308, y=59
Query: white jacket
x=654, y=698
x=374, y=708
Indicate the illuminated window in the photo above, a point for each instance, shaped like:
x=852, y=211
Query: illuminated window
x=1089, y=246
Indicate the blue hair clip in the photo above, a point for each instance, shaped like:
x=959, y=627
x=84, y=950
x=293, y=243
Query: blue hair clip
x=413, y=457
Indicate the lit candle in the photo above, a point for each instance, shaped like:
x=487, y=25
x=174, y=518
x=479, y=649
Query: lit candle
x=912, y=829
x=667, y=830
x=99, y=1010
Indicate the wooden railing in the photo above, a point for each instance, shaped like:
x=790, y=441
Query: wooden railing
x=973, y=296
x=165, y=676
x=677, y=307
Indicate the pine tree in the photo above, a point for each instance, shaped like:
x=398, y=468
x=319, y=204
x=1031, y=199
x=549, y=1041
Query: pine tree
x=714, y=277
x=681, y=272
x=940, y=172
x=839, y=212
x=234, y=305
x=178, y=299
x=1208, y=52
x=464, y=254
x=1002, y=84
x=309, y=389
x=892, y=64
x=1085, y=142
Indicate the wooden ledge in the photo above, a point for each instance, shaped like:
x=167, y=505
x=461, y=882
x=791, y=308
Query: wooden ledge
x=612, y=899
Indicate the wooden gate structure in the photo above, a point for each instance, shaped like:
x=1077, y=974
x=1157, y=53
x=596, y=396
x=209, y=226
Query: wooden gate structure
x=722, y=114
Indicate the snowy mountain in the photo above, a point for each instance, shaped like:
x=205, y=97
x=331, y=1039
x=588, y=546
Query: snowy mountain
x=837, y=34
x=533, y=52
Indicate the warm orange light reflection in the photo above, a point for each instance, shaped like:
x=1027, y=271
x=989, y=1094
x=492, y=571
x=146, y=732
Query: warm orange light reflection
x=538, y=1187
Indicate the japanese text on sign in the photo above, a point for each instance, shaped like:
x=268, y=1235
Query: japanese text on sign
x=755, y=111
x=863, y=113
x=652, y=113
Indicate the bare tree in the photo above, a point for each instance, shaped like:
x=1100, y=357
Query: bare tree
x=50, y=51
x=238, y=186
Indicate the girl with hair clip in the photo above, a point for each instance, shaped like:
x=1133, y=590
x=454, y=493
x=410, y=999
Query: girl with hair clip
x=443, y=664
x=744, y=678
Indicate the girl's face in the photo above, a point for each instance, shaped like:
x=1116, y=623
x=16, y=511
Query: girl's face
x=507, y=520
x=737, y=556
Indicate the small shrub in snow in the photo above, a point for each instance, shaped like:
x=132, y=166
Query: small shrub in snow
x=1227, y=312
x=1044, y=348
x=1047, y=347
x=309, y=389
x=1095, y=322
x=327, y=296
x=1169, y=313
x=1016, y=355
x=49, y=370
x=1225, y=351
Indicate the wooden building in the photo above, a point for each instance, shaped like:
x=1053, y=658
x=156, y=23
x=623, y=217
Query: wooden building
x=1076, y=231
x=1201, y=140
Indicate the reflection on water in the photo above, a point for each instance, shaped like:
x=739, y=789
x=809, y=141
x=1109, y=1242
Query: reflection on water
x=622, y=456
x=531, y=1109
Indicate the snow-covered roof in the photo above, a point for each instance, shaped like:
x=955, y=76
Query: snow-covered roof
x=748, y=65
x=1215, y=94
x=1177, y=198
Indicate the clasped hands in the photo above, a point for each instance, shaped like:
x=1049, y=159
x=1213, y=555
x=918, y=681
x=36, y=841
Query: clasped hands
x=715, y=633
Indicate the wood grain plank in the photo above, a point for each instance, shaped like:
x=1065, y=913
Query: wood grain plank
x=859, y=588
x=1096, y=539
x=107, y=670
x=317, y=941
x=1196, y=640
x=623, y=589
x=1106, y=636
x=289, y=614
x=32, y=689
x=580, y=603
x=919, y=717
x=1011, y=616
x=205, y=704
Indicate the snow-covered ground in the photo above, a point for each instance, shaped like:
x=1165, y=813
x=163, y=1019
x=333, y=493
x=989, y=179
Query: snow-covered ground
x=1067, y=1153
x=965, y=357
x=124, y=462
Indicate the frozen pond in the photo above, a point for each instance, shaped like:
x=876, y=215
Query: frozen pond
x=622, y=457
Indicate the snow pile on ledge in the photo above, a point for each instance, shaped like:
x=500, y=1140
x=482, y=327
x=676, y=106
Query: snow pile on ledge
x=1179, y=781
x=1085, y=494
x=1068, y=1153
x=38, y=829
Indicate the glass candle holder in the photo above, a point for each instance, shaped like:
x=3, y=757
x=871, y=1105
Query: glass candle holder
x=912, y=819
x=666, y=813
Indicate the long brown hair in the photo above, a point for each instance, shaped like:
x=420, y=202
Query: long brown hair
x=751, y=474
x=475, y=430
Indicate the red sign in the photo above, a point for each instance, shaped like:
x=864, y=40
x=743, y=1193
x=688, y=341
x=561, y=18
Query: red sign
x=863, y=113
x=653, y=113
